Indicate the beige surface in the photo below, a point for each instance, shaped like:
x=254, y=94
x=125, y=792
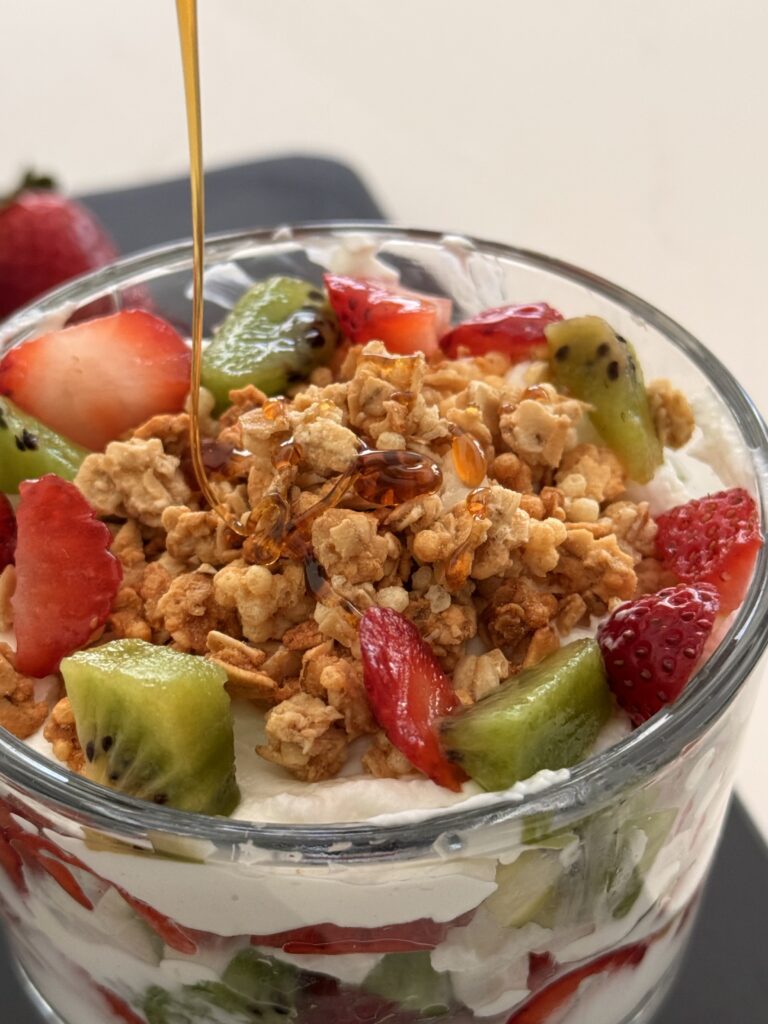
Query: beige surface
x=626, y=136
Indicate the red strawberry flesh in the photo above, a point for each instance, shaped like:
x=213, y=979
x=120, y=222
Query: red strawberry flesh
x=407, y=322
x=713, y=540
x=66, y=578
x=335, y=940
x=518, y=331
x=7, y=532
x=651, y=646
x=408, y=692
x=96, y=380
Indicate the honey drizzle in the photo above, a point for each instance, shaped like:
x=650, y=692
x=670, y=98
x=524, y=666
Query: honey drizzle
x=460, y=562
x=383, y=478
x=186, y=12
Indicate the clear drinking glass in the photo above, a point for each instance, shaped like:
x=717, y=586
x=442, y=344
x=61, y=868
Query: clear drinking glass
x=570, y=905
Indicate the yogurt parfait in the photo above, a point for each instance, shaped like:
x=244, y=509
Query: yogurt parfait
x=399, y=677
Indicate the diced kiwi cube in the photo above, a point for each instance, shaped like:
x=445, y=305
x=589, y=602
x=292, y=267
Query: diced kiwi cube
x=547, y=716
x=595, y=365
x=28, y=449
x=154, y=723
x=410, y=980
x=277, y=333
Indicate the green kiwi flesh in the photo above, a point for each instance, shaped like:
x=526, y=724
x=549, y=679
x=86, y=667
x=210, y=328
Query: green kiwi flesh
x=28, y=449
x=277, y=333
x=594, y=364
x=547, y=716
x=255, y=989
x=154, y=723
x=410, y=980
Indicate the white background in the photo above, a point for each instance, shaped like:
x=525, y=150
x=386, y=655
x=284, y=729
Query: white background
x=628, y=136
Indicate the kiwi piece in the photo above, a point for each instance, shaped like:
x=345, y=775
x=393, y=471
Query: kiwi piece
x=547, y=716
x=527, y=889
x=28, y=449
x=154, y=723
x=278, y=332
x=597, y=366
x=255, y=989
x=410, y=980
x=262, y=981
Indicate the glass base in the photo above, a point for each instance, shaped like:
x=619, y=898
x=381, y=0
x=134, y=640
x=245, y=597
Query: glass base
x=49, y=1016
x=44, y=1009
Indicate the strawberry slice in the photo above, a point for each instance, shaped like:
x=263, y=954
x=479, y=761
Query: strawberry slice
x=713, y=540
x=7, y=532
x=408, y=691
x=554, y=997
x=170, y=932
x=518, y=331
x=336, y=940
x=651, y=646
x=95, y=381
x=406, y=322
x=119, y=1007
x=66, y=578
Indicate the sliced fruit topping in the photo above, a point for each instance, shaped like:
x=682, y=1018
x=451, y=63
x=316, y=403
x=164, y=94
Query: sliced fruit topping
x=597, y=366
x=66, y=578
x=713, y=540
x=46, y=239
x=335, y=940
x=547, y=716
x=29, y=450
x=95, y=381
x=405, y=321
x=652, y=646
x=278, y=332
x=517, y=331
x=526, y=889
x=410, y=980
x=154, y=723
x=408, y=691
x=7, y=532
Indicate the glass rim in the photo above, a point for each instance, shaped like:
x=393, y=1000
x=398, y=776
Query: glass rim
x=597, y=779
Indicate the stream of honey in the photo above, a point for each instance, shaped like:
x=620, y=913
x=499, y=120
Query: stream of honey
x=379, y=478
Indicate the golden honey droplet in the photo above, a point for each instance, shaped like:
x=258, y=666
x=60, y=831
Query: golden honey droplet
x=468, y=459
x=273, y=408
x=535, y=392
x=393, y=477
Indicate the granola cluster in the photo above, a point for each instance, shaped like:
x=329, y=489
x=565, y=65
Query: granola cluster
x=493, y=576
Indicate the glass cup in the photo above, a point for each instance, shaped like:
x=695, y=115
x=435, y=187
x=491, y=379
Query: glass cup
x=569, y=904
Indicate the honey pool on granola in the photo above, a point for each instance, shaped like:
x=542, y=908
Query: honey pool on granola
x=424, y=565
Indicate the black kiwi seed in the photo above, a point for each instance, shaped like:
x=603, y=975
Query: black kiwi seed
x=622, y=340
x=30, y=440
x=315, y=295
x=90, y=750
x=562, y=353
x=613, y=370
x=106, y=743
x=160, y=798
x=20, y=443
x=315, y=338
x=602, y=350
x=114, y=776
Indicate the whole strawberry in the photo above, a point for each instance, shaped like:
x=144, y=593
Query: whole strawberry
x=652, y=646
x=713, y=540
x=45, y=239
